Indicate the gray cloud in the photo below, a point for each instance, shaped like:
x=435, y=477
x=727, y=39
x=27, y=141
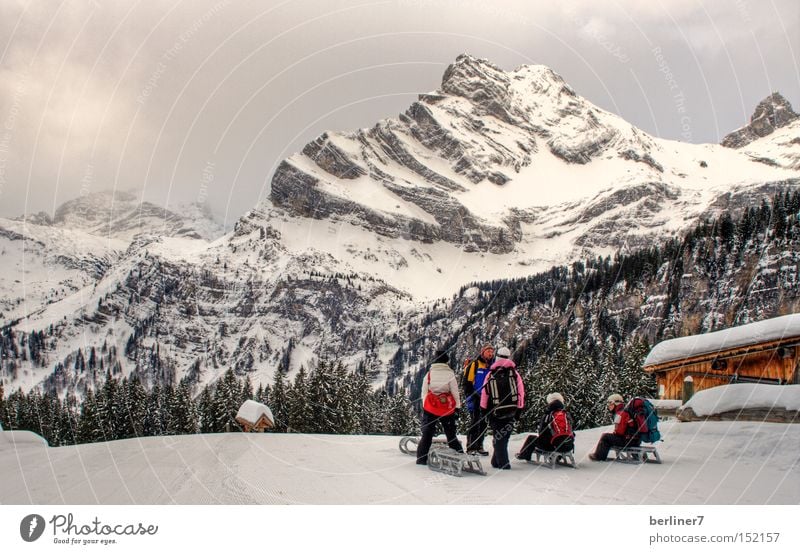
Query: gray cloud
x=199, y=100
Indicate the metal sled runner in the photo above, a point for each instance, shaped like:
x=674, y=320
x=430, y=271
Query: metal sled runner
x=444, y=459
x=636, y=454
x=551, y=459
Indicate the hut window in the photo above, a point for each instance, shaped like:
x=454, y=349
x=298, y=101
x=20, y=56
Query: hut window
x=785, y=352
x=719, y=364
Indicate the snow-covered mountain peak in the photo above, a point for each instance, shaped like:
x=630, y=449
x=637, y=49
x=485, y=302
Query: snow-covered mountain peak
x=481, y=81
x=123, y=215
x=95, y=209
x=474, y=162
x=771, y=114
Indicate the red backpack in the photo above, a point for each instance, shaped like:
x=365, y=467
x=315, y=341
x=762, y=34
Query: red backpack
x=561, y=425
x=439, y=404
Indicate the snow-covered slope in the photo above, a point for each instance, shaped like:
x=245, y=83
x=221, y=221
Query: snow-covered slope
x=703, y=463
x=780, y=148
x=43, y=264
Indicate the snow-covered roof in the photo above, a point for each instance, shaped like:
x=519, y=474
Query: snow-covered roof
x=736, y=337
x=666, y=404
x=251, y=411
x=727, y=398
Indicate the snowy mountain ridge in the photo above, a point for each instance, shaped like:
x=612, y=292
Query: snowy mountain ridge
x=122, y=215
x=474, y=164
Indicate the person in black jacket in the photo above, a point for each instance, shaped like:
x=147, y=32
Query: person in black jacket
x=555, y=430
x=475, y=372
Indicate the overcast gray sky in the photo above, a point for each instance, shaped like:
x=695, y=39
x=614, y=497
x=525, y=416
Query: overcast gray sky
x=191, y=100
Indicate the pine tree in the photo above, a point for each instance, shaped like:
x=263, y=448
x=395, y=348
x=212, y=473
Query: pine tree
x=4, y=419
x=205, y=408
x=400, y=417
x=227, y=401
x=182, y=411
x=131, y=408
x=90, y=425
x=298, y=406
x=345, y=406
x=107, y=403
x=247, y=389
x=634, y=381
x=361, y=404
x=155, y=414
x=277, y=402
x=321, y=396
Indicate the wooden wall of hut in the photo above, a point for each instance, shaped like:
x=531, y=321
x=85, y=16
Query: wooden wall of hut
x=766, y=365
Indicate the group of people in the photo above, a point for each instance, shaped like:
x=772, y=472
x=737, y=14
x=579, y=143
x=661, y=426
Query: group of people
x=495, y=398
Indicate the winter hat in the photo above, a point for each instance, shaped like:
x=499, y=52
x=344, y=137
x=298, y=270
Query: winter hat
x=553, y=396
x=486, y=346
x=504, y=353
x=615, y=398
x=441, y=357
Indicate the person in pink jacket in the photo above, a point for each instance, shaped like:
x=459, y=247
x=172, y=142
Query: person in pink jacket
x=503, y=398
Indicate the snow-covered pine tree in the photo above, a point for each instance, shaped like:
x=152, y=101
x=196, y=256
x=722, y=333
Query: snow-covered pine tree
x=132, y=407
x=277, y=401
x=227, y=400
x=155, y=416
x=205, y=409
x=583, y=389
x=400, y=418
x=4, y=419
x=634, y=381
x=344, y=405
x=68, y=425
x=362, y=403
x=298, y=405
x=107, y=403
x=247, y=389
x=182, y=410
x=322, y=391
x=90, y=426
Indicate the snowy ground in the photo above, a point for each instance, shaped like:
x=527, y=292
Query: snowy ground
x=704, y=463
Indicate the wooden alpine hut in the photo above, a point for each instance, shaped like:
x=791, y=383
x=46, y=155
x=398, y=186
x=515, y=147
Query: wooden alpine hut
x=254, y=416
x=763, y=352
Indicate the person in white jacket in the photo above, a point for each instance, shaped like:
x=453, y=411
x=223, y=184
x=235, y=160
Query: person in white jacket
x=440, y=380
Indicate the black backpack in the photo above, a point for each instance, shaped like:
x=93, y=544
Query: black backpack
x=501, y=387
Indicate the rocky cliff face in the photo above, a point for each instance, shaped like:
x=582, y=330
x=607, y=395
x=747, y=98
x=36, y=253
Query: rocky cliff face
x=772, y=113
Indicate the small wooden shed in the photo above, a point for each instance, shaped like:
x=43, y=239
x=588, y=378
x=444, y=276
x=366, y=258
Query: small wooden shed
x=254, y=416
x=764, y=352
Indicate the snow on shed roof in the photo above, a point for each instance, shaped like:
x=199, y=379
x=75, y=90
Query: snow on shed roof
x=735, y=337
x=740, y=396
x=252, y=410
